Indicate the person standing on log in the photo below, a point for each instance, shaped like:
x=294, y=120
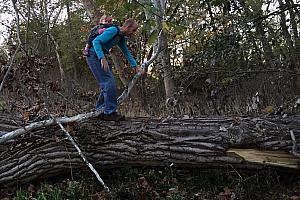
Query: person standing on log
x=104, y=22
x=102, y=70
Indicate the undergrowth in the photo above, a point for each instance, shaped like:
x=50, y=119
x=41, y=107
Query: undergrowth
x=169, y=183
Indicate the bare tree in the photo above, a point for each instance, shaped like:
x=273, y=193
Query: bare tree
x=90, y=8
x=286, y=34
x=169, y=84
x=19, y=43
x=293, y=19
x=49, y=19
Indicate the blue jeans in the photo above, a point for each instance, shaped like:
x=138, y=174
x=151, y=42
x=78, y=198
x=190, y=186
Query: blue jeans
x=107, y=98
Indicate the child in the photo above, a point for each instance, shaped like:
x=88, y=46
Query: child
x=97, y=30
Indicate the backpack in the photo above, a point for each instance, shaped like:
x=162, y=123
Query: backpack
x=97, y=30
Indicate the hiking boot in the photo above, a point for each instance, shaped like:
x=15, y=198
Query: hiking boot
x=112, y=117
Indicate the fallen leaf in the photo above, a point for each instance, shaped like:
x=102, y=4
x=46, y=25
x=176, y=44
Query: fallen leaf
x=70, y=126
x=143, y=183
x=31, y=188
x=227, y=191
x=295, y=197
x=236, y=120
x=226, y=195
x=268, y=109
x=25, y=116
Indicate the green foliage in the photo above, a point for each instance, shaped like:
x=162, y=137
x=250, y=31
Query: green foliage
x=75, y=190
x=152, y=37
x=176, y=196
x=72, y=190
x=255, y=5
x=170, y=183
x=21, y=195
x=217, y=40
x=49, y=192
x=72, y=44
x=224, y=38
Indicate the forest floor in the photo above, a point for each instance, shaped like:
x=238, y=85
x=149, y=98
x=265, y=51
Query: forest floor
x=141, y=183
x=168, y=183
x=130, y=183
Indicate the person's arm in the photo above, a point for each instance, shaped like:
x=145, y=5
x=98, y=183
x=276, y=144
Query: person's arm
x=123, y=46
x=107, y=35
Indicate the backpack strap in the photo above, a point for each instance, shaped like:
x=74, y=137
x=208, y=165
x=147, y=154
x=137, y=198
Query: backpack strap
x=94, y=32
x=105, y=51
x=110, y=25
x=114, y=37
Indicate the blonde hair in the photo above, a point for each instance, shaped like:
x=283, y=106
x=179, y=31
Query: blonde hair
x=105, y=19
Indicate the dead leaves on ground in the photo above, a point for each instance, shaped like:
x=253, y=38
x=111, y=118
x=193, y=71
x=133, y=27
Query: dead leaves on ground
x=227, y=194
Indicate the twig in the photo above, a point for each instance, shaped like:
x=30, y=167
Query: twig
x=294, y=148
x=49, y=122
x=277, y=12
x=83, y=157
x=57, y=47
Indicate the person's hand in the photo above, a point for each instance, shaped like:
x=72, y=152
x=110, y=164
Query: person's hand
x=140, y=70
x=104, y=64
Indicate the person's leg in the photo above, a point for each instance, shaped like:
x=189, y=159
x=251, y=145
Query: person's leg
x=110, y=97
x=106, y=81
x=94, y=65
x=100, y=101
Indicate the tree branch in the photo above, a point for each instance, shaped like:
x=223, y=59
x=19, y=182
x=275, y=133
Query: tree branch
x=294, y=149
x=83, y=157
x=18, y=47
x=61, y=70
x=127, y=91
x=49, y=122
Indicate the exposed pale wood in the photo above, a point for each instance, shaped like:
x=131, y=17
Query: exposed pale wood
x=264, y=157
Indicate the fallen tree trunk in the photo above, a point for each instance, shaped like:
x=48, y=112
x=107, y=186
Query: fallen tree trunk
x=241, y=142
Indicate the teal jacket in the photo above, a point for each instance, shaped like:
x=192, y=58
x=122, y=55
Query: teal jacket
x=104, y=42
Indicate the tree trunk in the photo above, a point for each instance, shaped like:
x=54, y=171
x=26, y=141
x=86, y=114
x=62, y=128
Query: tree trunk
x=165, y=54
x=287, y=35
x=268, y=53
x=292, y=9
x=260, y=29
x=167, y=72
x=90, y=8
x=240, y=142
x=115, y=55
x=71, y=49
x=59, y=60
x=27, y=28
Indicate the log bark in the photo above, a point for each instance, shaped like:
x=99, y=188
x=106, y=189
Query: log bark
x=210, y=141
